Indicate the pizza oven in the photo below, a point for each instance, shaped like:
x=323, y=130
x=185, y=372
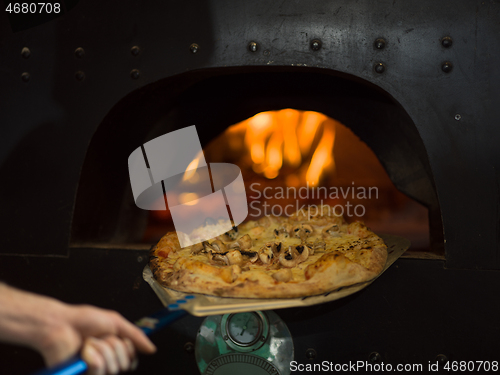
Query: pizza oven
x=235, y=119
x=397, y=98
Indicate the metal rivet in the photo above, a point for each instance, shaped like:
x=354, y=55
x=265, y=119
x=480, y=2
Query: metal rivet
x=379, y=68
x=253, y=47
x=25, y=52
x=79, y=53
x=447, y=67
x=315, y=44
x=139, y=259
x=374, y=357
x=135, y=74
x=189, y=347
x=379, y=43
x=446, y=42
x=442, y=359
x=262, y=338
x=79, y=75
x=311, y=353
x=135, y=50
x=226, y=337
x=266, y=52
x=458, y=117
x=25, y=77
x=194, y=48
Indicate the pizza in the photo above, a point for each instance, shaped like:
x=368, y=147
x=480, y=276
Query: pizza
x=309, y=253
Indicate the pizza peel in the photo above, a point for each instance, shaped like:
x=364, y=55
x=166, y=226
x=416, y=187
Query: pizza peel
x=204, y=305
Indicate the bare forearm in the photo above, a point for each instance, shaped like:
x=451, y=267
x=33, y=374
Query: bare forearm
x=27, y=318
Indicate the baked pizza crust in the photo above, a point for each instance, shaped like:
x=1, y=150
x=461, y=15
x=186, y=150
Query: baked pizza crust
x=347, y=254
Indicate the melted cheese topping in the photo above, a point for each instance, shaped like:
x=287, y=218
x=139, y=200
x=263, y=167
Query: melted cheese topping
x=346, y=240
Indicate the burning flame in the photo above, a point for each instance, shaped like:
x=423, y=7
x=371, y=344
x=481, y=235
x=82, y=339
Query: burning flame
x=322, y=156
x=290, y=139
x=258, y=129
x=289, y=118
x=298, y=144
x=191, y=175
x=274, y=155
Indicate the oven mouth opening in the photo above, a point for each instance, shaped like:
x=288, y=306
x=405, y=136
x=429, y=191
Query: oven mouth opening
x=298, y=143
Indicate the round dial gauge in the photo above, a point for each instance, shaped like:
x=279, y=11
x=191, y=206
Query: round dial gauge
x=245, y=332
x=245, y=328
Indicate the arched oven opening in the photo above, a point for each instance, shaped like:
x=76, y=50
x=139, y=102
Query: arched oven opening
x=306, y=135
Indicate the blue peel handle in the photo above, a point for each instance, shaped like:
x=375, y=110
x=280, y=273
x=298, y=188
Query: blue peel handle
x=73, y=366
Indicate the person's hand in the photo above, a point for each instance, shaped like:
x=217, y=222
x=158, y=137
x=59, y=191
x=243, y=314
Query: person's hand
x=58, y=331
x=107, y=341
x=108, y=355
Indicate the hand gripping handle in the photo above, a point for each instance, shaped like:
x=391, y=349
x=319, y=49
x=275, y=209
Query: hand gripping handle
x=149, y=325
